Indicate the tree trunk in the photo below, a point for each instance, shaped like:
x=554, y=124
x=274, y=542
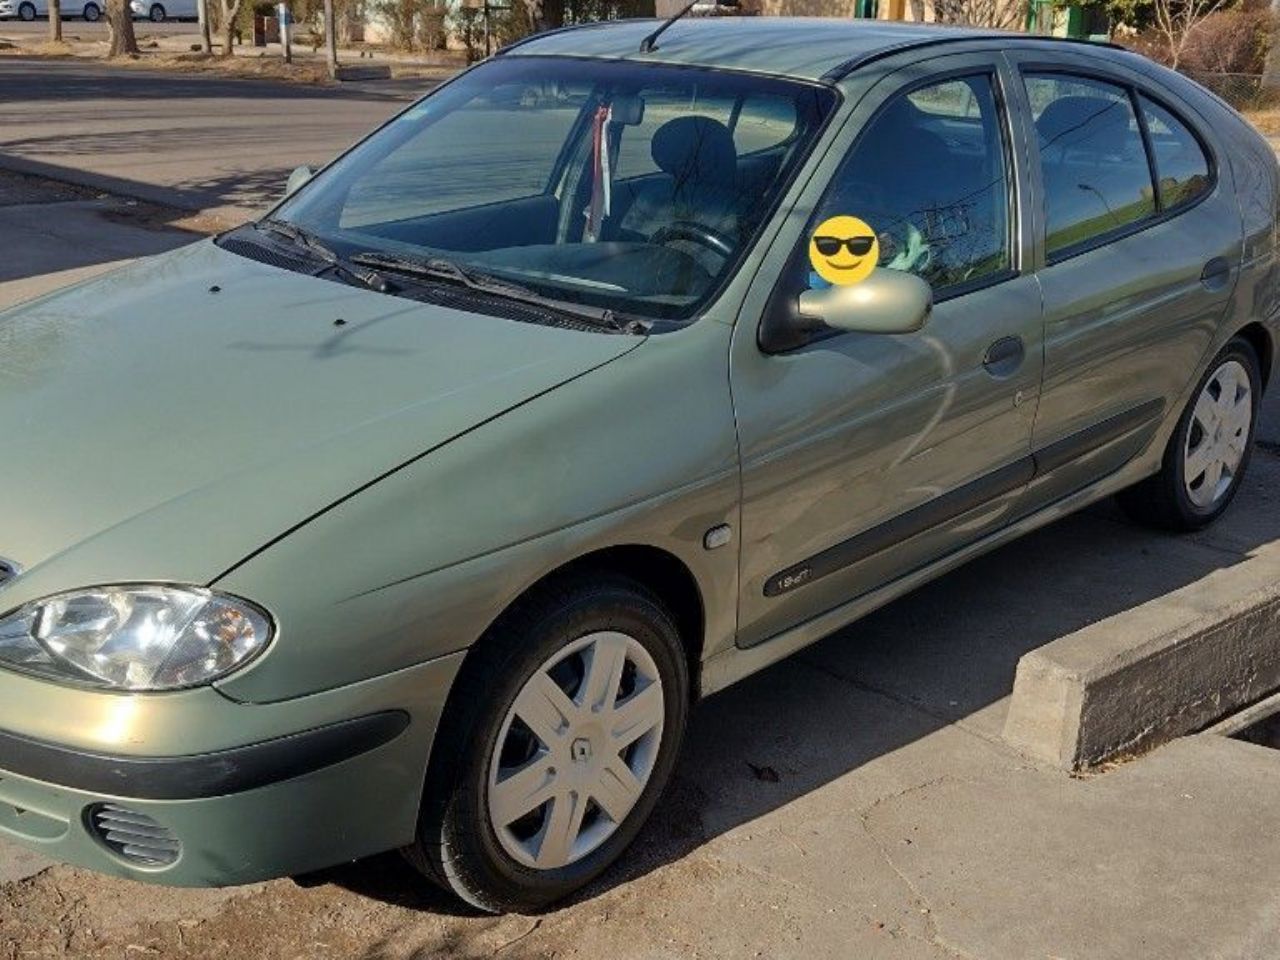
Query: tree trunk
x=206, y=41
x=55, y=21
x=1271, y=67
x=228, y=36
x=120, y=26
x=331, y=38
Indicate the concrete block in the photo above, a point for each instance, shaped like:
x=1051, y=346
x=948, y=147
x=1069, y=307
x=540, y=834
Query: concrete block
x=1157, y=671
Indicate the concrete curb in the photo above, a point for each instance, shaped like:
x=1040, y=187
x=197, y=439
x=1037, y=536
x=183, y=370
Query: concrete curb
x=194, y=202
x=1166, y=668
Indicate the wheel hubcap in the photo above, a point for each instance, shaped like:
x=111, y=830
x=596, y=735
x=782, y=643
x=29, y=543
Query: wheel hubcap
x=576, y=750
x=1219, y=435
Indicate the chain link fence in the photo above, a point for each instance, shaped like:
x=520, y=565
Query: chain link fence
x=1244, y=91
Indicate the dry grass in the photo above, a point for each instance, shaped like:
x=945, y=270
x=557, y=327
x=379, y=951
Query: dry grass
x=43, y=49
x=1266, y=119
x=305, y=69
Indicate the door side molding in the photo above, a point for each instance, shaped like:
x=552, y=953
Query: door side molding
x=963, y=499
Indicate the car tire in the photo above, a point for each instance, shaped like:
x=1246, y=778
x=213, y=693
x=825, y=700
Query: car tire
x=1209, y=452
x=591, y=787
x=91, y=13
x=156, y=14
x=27, y=12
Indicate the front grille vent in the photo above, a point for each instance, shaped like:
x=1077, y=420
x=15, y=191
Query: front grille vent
x=132, y=836
x=7, y=571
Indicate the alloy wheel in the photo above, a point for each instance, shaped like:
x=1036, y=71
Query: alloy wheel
x=1218, y=435
x=575, y=750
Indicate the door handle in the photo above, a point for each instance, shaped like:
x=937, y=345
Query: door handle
x=1004, y=357
x=1215, y=274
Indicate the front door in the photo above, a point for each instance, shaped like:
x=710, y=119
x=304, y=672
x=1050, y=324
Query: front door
x=867, y=455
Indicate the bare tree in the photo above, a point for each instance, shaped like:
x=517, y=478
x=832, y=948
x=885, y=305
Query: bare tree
x=545, y=14
x=1175, y=20
x=55, y=21
x=1002, y=14
x=120, y=26
x=228, y=13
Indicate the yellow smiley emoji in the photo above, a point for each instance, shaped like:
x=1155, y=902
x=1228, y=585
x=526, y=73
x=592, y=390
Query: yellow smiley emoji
x=844, y=250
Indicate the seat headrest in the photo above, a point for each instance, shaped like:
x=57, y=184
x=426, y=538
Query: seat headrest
x=695, y=148
x=1091, y=122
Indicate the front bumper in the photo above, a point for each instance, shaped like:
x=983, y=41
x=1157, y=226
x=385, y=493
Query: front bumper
x=259, y=791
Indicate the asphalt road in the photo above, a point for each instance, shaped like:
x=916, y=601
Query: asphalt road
x=194, y=141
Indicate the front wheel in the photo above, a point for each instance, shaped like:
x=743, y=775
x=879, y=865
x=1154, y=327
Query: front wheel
x=560, y=734
x=91, y=13
x=27, y=12
x=1209, y=451
x=156, y=14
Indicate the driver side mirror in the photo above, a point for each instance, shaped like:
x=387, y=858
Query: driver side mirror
x=297, y=180
x=888, y=301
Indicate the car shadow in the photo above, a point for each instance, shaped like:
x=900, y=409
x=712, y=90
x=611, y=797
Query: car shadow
x=942, y=655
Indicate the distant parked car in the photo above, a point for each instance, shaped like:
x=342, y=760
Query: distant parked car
x=90, y=10
x=158, y=11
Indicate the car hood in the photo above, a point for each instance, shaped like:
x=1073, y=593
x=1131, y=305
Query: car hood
x=172, y=418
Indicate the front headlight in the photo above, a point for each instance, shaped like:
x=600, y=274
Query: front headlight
x=137, y=637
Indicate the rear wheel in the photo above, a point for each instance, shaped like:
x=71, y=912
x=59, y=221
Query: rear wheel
x=91, y=13
x=1209, y=452
x=561, y=733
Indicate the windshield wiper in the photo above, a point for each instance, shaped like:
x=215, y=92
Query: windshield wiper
x=309, y=241
x=440, y=268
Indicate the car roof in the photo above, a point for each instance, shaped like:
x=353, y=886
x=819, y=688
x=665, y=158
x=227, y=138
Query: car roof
x=812, y=48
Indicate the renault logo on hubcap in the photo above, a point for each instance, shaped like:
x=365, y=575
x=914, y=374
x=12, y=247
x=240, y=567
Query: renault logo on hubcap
x=581, y=750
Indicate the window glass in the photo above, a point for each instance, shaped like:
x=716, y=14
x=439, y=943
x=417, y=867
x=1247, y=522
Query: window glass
x=1094, y=166
x=455, y=163
x=635, y=157
x=928, y=175
x=512, y=170
x=1182, y=169
x=764, y=122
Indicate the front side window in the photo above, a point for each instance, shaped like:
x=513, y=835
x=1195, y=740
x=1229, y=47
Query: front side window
x=629, y=187
x=1092, y=159
x=929, y=176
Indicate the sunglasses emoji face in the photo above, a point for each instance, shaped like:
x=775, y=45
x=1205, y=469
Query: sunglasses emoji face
x=843, y=250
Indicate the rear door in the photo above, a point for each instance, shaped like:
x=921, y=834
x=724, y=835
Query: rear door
x=1138, y=251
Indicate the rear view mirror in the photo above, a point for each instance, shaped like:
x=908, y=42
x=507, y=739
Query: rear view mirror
x=296, y=180
x=888, y=301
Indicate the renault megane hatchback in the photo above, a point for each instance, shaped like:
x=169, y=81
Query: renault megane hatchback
x=417, y=513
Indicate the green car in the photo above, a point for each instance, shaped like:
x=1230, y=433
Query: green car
x=418, y=513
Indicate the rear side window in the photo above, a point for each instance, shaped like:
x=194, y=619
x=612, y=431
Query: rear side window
x=1092, y=159
x=1182, y=169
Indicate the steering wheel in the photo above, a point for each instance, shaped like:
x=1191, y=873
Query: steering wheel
x=694, y=232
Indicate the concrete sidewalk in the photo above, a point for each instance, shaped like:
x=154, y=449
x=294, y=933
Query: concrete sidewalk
x=854, y=801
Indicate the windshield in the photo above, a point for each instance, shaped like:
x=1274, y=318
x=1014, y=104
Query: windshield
x=633, y=188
